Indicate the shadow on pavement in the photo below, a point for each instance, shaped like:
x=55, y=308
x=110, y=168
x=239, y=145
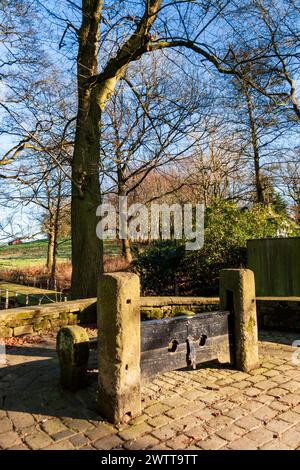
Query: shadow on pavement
x=30, y=383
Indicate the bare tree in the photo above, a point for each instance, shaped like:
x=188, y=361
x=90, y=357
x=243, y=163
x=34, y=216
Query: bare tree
x=37, y=182
x=224, y=37
x=36, y=172
x=129, y=33
x=151, y=122
x=280, y=32
x=217, y=170
x=22, y=63
x=288, y=182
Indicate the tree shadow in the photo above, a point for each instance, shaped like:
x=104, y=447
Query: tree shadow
x=30, y=381
x=32, y=386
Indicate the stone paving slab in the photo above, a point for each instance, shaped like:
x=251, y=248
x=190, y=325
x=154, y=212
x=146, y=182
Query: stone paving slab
x=213, y=407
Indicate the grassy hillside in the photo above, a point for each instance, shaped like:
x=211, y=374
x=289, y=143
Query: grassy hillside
x=35, y=253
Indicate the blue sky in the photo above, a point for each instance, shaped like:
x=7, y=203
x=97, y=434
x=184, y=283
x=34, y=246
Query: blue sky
x=51, y=32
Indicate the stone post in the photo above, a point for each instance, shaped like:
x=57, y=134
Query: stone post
x=119, y=327
x=237, y=294
x=73, y=353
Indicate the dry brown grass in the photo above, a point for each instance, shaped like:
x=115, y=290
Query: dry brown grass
x=114, y=264
x=39, y=275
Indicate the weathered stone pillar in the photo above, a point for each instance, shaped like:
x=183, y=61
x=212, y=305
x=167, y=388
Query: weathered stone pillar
x=237, y=294
x=119, y=391
x=73, y=353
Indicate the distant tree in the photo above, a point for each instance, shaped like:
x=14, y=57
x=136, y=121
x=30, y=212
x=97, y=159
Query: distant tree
x=252, y=44
x=39, y=171
x=129, y=32
x=279, y=33
x=149, y=126
x=288, y=182
x=22, y=62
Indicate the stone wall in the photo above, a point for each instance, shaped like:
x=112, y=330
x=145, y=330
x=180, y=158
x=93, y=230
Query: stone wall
x=154, y=308
x=281, y=313
x=30, y=320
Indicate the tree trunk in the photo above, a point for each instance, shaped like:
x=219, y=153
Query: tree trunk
x=94, y=90
x=55, y=238
x=50, y=248
x=53, y=266
x=125, y=243
x=260, y=197
x=258, y=183
x=87, y=249
x=126, y=250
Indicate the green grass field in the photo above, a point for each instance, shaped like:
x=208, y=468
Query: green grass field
x=35, y=253
x=26, y=295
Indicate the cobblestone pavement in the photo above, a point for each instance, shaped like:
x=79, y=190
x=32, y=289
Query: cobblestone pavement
x=211, y=408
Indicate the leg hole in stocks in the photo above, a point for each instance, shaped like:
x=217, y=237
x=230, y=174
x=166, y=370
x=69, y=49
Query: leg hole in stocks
x=172, y=346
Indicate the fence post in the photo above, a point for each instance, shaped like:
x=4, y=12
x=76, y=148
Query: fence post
x=237, y=294
x=119, y=383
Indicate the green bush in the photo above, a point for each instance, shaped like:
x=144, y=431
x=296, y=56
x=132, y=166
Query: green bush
x=166, y=268
x=157, y=266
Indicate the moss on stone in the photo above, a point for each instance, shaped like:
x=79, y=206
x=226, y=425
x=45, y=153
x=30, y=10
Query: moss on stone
x=5, y=332
x=41, y=324
x=183, y=312
x=73, y=319
x=151, y=314
x=23, y=315
x=18, y=323
x=250, y=325
x=205, y=308
x=58, y=322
